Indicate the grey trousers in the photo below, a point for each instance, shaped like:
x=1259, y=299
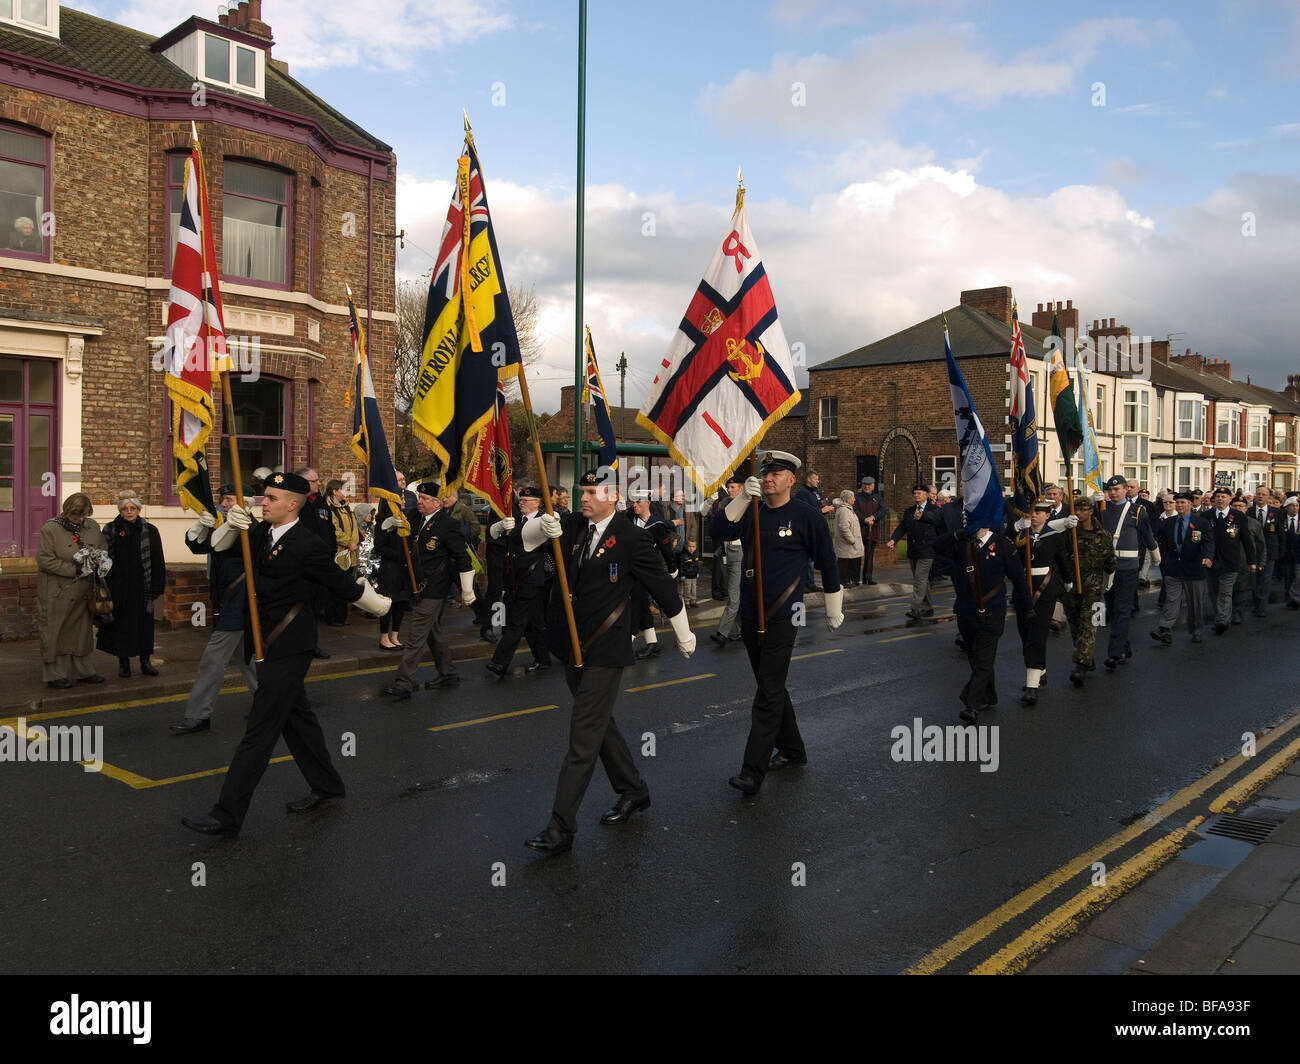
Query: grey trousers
x=1263, y=585
x=212, y=672
x=423, y=630
x=1221, y=583
x=1176, y=589
x=921, y=585
x=1294, y=594
x=729, y=624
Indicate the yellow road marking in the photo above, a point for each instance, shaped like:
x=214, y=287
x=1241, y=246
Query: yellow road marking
x=497, y=716
x=1062, y=920
x=1228, y=800
x=962, y=941
x=817, y=654
x=668, y=683
x=896, y=638
x=141, y=783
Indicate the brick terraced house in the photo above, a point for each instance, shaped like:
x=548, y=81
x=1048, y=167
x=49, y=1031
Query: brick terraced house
x=95, y=128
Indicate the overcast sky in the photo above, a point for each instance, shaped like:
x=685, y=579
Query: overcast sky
x=895, y=153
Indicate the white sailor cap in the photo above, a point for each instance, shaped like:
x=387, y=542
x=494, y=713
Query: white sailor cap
x=639, y=494
x=774, y=460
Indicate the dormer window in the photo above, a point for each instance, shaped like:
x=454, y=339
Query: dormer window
x=231, y=64
x=40, y=16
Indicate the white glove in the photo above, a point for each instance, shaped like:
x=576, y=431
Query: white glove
x=753, y=487
x=208, y=519
x=736, y=508
x=371, y=601
x=467, y=587
x=685, y=637
x=239, y=517
x=533, y=533
x=198, y=532
x=1155, y=556
x=834, y=609
x=1021, y=524
x=552, y=526
x=673, y=574
x=1063, y=524
x=502, y=528
x=388, y=524
x=226, y=536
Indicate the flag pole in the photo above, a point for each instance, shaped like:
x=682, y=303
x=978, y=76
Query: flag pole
x=228, y=405
x=560, y=572
x=753, y=469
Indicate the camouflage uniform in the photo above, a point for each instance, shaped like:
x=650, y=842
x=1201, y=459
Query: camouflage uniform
x=1096, y=559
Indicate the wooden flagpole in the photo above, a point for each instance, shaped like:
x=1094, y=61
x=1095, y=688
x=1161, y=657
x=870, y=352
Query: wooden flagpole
x=758, y=554
x=228, y=406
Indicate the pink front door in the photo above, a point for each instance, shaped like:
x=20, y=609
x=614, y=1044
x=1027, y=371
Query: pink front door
x=29, y=483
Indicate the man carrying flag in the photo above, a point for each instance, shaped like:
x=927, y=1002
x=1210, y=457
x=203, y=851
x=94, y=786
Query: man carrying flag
x=469, y=332
x=983, y=560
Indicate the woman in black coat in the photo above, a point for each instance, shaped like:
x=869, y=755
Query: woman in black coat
x=137, y=578
x=393, y=578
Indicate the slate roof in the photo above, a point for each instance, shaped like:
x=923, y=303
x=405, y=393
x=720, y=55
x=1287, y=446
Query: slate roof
x=104, y=49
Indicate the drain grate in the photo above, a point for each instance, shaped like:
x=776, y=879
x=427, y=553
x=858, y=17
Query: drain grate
x=1243, y=828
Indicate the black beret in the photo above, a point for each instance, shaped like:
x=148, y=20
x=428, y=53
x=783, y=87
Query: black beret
x=530, y=492
x=1183, y=495
x=1116, y=481
x=226, y=489
x=289, y=482
x=602, y=477
x=921, y=487
x=430, y=487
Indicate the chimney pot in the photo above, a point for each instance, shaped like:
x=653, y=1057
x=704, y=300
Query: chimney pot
x=1069, y=304
x=1040, y=308
x=1058, y=304
x=1112, y=323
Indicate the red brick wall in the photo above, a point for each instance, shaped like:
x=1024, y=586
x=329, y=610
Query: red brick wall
x=18, y=609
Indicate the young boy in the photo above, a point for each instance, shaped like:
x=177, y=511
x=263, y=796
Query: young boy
x=690, y=572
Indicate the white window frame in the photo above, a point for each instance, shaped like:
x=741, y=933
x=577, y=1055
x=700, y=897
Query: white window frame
x=1099, y=409
x=1230, y=421
x=1257, y=430
x=829, y=414
x=259, y=65
x=1137, y=411
x=1160, y=417
x=941, y=466
x=50, y=27
x=1195, y=423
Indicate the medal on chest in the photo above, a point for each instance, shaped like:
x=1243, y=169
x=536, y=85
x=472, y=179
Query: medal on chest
x=613, y=572
x=785, y=531
x=432, y=544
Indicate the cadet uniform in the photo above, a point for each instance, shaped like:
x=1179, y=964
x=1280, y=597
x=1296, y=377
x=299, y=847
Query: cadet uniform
x=1049, y=550
x=791, y=536
x=1096, y=559
x=661, y=534
x=1130, y=532
x=981, y=569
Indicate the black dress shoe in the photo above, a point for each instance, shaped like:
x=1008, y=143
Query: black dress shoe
x=969, y=715
x=625, y=807
x=1163, y=635
x=310, y=802
x=1078, y=674
x=551, y=841
x=205, y=825
x=318, y=653
x=61, y=684
x=147, y=669
x=450, y=680
x=1111, y=664
x=1029, y=696
x=745, y=783
x=92, y=678
x=189, y=727
x=1219, y=629
x=124, y=672
x=397, y=692
x=780, y=761
x=650, y=650
x=871, y=582
x=495, y=670
x=538, y=666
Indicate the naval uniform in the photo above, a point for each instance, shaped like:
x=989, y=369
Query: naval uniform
x=790, y=536
x=527, y=575
x=604, y=563
x=1129, y=539
x=291, y=564
x=980, y=572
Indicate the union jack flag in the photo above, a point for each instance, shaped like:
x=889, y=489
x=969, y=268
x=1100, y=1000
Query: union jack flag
x=594, y=393
x=1028, y=479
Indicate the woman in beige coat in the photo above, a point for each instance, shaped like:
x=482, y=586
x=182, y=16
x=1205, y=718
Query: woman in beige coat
x=846, y=538
x=63, y=595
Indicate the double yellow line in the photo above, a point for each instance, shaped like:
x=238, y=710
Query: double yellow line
x=1063, y=919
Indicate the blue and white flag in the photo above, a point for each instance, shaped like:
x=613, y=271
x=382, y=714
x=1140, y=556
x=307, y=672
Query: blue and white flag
x=369, y=443
x=1088, y=457
x=981, y=491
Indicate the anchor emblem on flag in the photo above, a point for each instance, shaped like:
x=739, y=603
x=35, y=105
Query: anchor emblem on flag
x=746, y=368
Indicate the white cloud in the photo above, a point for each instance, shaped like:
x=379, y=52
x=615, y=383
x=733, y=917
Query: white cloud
x=854, y=264
x=383, y=34
x=882, y=73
